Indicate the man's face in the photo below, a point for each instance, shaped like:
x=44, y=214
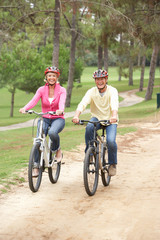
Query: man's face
x=101, y=82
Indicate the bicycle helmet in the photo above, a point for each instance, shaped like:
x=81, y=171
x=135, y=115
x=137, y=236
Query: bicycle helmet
x=52, y=69
x=100, y=73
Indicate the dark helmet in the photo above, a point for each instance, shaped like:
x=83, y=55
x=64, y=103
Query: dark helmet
x=100, y=73
x=52, y=69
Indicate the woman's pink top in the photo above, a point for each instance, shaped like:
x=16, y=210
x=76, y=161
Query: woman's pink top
x=58, y=102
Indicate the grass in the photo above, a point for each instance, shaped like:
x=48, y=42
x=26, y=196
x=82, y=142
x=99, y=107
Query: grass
x=21, y=98
x=15, y=145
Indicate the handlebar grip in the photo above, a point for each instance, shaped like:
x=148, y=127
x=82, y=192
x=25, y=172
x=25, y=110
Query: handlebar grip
x=81, y=122
x=29, y=111
x=107, y=122
x=51, y=113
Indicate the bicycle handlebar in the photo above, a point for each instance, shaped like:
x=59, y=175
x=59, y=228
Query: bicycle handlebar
x=41, y=113
x=106, y=122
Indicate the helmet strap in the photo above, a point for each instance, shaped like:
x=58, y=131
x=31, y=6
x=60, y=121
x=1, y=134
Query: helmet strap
x=100, y=89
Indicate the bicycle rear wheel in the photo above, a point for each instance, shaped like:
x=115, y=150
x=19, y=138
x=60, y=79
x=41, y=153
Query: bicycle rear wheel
x=104, y=173
x=34, y=182
x=91, y=171
x=54, y=170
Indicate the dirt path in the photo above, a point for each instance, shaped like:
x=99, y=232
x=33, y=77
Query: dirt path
x=126, y=210
x=130, y=98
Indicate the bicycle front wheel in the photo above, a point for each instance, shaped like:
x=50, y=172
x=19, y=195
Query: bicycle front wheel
x=105, y=173
x=91, y=171
x=54, y=170
x=35, y=156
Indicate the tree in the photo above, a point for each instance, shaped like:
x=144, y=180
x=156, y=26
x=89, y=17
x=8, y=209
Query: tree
x=55, y=60
x=142, y=69
x=75, y=31
x=9, y=74
x=149, y=91
x=74, y=36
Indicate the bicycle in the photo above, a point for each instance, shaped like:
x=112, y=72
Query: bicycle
x=41, y=157
x=96, y=159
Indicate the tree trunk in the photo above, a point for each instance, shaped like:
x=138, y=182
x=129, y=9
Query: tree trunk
x=120, y=58
x=142, y=72
x=120, y=73
x=55, y=58
x=106, y=58
x=45, y=38
x=100, y=57
x=152, y=72
x=139, y=59
x=131, y=63
x=106, y=53
x=12, y=101
x=72, y=58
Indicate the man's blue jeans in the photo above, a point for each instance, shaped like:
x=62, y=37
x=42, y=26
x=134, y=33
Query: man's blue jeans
x=111, y=132
x=56, y=126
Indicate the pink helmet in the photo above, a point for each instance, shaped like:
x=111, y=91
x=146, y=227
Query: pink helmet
x=52, y=69
x=100, y=73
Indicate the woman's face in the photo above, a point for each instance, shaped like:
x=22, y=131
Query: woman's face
x=52, y=78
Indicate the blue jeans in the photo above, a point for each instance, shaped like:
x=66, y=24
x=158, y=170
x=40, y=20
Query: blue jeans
x=111, y=132
x=56, y=126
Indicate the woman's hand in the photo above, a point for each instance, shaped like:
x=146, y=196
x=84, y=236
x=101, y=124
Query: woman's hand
x=22, y=110
x=59, y=112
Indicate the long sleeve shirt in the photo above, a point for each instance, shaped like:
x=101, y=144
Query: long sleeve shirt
x=57, y=103
x=101, y=106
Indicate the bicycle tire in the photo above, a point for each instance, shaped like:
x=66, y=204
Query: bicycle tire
x=91, y=171
x=104, y=173
x=54, y=171
x=34, y=182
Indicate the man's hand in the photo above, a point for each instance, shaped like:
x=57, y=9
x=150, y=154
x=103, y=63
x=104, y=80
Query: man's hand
x=76, y=117
x=114, y=117
x=75, y=120
x=113, y=120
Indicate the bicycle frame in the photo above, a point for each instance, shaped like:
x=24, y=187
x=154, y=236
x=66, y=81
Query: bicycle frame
x=99, y=144
x=45, y=158
x=94, y=162
x=44, y=147
x=101, y=147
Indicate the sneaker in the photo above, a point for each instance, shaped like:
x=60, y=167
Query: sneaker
x=91, y=158
x=36, y=165
x=112, y=170
x=35, y=172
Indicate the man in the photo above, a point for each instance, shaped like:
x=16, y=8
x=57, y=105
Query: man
x=103, y=100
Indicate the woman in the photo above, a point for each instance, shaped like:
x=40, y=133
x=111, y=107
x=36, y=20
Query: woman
x=53, y=98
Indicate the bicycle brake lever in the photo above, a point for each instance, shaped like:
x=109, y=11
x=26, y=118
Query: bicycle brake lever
x=29, y=111
x=81, y=122
x=52, y=113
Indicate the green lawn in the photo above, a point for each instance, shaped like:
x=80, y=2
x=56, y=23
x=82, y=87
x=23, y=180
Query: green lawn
x=21, y=98
x=15, y=145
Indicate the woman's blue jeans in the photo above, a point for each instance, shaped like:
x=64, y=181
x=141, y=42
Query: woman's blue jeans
x=56, y=126
x=111, y=132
